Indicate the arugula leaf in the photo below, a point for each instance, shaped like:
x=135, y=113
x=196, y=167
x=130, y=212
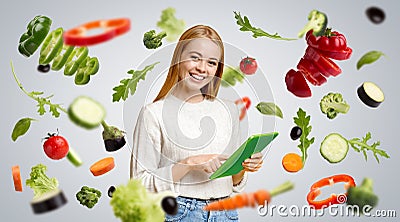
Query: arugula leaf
x=42, y=101
x=362, y=146
x=257, y=32
x=369, y=58
x=129, y=85
x=21, y=127
x=303, y=121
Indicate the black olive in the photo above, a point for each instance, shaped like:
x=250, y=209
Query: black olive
x=169, y=205
x=111, y=191
x=114, y=144
x=375, y=15
x=43, y=68
x=295, y=133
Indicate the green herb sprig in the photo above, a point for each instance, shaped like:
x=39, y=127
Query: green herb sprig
x=128, y=86
x=361, y=145
x=245, y=25
x=368, y=58
x=303, y=121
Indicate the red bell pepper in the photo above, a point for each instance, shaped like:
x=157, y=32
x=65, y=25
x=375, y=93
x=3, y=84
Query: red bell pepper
x=334, y=198
x=311, y=72
x=112, y=28
x=326, y=66
x=296, y=84
x=330, y=41
x=245, y=101
x=341, y=55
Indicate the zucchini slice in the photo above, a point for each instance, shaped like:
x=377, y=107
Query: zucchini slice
x=334, y=148
x=370, y=94
x=86, y=112
x=73, y=157
x=48, y=201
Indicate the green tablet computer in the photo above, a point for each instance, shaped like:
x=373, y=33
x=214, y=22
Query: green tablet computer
x=254, y=144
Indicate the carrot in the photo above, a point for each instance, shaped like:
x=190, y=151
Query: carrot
x=292, y=162
x=102, y=166
x=16, y=174
x=260, y=197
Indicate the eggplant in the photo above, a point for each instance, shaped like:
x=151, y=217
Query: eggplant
x=114, y=138
x=169, y=205
x=49, y=201
x=370, y=94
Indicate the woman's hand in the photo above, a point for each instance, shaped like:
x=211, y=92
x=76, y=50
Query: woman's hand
x=253, y=163
x=208, y=163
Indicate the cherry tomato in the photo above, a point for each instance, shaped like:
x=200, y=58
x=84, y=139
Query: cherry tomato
x=248, y=65
x=56, y=147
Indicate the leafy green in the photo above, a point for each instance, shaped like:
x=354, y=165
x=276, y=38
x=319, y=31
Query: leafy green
x=231, y=76
x=132, y=203
x=245, y=25
x=361, y=145
x=40, y=182
x=170, y=24
x=42, y=101
x=152, y=40
x=369, y=58
x=268, y=108
x=21, y=127
x=303, y=121
x=88, y=196
x=129, y=85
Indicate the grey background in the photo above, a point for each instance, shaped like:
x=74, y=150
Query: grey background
x=274, y=57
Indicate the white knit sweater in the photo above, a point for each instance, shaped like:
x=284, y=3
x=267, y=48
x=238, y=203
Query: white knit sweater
x=171, y=130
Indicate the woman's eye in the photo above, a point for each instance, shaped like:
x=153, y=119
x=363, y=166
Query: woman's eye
x=195, y=58
x=212, y=63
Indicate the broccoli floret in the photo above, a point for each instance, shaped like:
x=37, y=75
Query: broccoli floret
x=332, y=104
x=88, y=196
x=362, y=195
x=152, y=40
x=317, y=21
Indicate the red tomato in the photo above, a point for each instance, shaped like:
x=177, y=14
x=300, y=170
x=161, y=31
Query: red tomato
x=248, y=66
x=56, y=147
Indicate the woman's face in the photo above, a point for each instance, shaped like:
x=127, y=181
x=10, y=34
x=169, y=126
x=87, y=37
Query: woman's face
x=199, y=63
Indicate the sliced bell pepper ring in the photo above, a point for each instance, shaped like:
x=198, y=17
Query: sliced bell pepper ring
x=112, y=28
x=311, y=72
x=51, y=47
x=62, y=58
x=334, y=198
x=331, y=41
x=296, y=84
x=245, y=101
x=73, y=64
x=88, y=67
x=326, y=66
x=37, y=30
x=340, y=55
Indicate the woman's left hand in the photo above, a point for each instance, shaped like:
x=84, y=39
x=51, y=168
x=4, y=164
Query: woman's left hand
x=253, y=163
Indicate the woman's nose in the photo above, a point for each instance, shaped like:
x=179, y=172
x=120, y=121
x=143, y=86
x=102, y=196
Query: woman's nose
x=201, y=65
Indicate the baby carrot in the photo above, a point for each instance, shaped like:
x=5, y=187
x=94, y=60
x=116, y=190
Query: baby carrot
x=16, y=174
x=260, y=197
x=292, y=162
x=102, y=166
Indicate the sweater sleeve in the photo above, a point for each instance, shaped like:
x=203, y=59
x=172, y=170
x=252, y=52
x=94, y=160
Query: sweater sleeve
x=236, y=136
x=146, y=154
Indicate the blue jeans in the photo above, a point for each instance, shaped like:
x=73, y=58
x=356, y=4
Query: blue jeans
x=191, y=210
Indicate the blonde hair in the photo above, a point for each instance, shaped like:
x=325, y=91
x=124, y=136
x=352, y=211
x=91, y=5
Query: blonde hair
x=210, y=90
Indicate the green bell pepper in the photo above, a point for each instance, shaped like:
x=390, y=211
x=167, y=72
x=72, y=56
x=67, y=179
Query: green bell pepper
x=73, y=64
x=62, y=58
x=89, y=66
x=51, y=47
x=37, y=30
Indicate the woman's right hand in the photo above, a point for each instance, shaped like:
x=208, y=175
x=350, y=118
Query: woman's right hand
x=208, y=163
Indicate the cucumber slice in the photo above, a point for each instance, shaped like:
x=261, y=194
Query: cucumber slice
x=334, y=148
x=86, y=112
x=73, y=157
x=370, y=94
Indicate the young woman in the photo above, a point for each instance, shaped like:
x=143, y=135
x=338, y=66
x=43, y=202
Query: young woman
x=186, y=133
